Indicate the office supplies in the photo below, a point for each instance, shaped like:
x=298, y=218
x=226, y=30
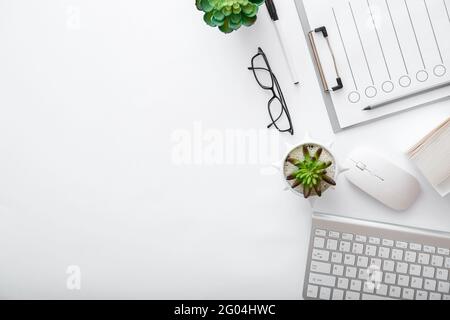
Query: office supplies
x=407, y=96
x=381, y=179
x=352, y=259
x=287, y=56
x=432, y=156
x=278, y=110
x=382, y=49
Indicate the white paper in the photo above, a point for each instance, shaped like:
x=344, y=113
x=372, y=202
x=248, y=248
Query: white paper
x=384, y=49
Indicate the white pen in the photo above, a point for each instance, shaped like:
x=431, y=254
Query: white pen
x=274, y=16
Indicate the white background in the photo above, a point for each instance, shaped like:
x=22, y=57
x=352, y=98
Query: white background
x=92, y=94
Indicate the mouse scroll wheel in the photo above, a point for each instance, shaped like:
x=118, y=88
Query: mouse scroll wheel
x=361, y=166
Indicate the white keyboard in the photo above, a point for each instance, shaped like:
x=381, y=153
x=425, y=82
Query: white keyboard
x=353, y=259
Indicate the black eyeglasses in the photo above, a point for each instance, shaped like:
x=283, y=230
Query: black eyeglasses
x=278, y=110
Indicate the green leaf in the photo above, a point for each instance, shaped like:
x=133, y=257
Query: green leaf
x=225, y=27
x=248, y=21
x=218, y=15
x=198, y=4
x=235, y=18
x=206, y=5
x=237, y=9
x=227, y=11
x=250, y=10
x=208, y=17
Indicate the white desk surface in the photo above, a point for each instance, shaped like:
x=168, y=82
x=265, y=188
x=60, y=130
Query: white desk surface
x=89, y=110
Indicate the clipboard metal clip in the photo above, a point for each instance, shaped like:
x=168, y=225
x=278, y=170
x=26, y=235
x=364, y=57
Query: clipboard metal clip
x=326, y=87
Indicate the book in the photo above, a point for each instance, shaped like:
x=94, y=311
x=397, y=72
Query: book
x=432, y=156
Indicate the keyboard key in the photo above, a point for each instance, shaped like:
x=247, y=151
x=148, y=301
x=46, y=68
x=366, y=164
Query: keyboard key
x=429, y=249
x=383, y=252
x=443, y=251
x=421, y=295
x=312, y=290
x=390, y=278
x=320, y=233
x=415, y=270
x=366, y=296
x=401, y=244
x=320, y=267
x=415, y=246
x=319, y=242
x=416, y=283
x=322, y=280
x=344, y=246
x=382, y=289
x=446, y=297
x=373, y=240
x=332, y=244
x=336, y=257
x=333, y=234
x=368, y=287
x=408, y=294
x=338, y=294
x=350, y=272
x=375, y=262
x=325, y=293
x=442, y=274
x=424, y=258
x=338, y=270
x=397, y=254
x=394, y=292
x=355, y=285
x=362, y=262
x=349, y=259
x=443, y=287
x=357, y=248
x=429, y=285
x=428, y=272
x=371, y=250
x=342, y=283
x=388, y=265
x=347, y=236
x=402, y=267
x=360, y=238
x=363, y=274
x=437, y=261
x=349, y=295
x=447, y=263
x=320, y=255
x=403, y=280
x=410, y=256
x=435, y=296
x=387, y=243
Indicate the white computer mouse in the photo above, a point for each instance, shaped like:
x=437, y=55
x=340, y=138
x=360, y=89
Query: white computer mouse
x=381, y=179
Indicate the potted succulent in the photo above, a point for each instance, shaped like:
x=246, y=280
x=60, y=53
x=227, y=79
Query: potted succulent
x=310, y=169
x=229, y=15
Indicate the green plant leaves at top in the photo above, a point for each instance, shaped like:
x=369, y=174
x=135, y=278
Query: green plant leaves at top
x=229, y=15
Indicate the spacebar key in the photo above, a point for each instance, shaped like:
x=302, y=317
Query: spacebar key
x=373, y=297
x=322, y=280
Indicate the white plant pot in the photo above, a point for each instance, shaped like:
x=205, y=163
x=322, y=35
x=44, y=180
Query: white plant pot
x=327, y=155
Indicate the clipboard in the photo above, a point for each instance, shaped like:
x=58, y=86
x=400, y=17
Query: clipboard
x=327, y=70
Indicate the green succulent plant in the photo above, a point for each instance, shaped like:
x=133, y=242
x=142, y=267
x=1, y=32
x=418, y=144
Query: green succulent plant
x=229, y=15
x=310, y=172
